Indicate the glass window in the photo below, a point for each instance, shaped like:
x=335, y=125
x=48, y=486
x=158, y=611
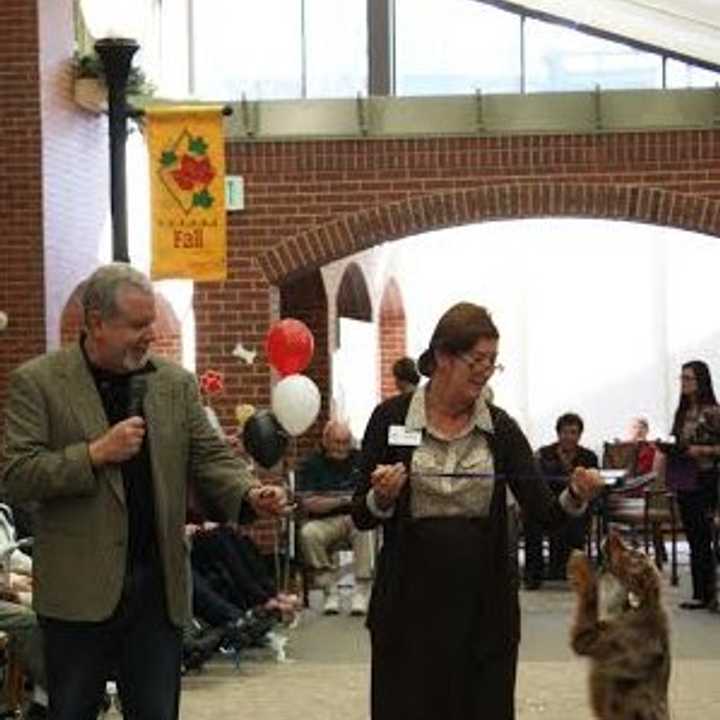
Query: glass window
x=454, y=46
x=682, y=75
x=558, y=58
x=337, y=47
x=174, y=72
x=251, y=48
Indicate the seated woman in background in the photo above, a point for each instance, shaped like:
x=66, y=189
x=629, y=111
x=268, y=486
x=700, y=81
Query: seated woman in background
x=637, y=432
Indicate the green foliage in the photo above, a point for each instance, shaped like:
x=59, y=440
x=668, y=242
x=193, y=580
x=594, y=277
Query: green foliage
x=90, y=66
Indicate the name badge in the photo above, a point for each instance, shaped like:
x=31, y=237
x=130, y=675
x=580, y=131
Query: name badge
x=400, y=435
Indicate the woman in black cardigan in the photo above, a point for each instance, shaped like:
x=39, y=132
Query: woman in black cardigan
x=444, y=614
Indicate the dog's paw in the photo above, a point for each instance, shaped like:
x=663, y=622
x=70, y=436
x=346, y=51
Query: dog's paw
x=579, y=572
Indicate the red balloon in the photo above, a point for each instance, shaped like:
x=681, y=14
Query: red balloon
x=289, y=345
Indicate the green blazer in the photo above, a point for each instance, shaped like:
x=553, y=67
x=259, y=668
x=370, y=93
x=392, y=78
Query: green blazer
x=81, y=530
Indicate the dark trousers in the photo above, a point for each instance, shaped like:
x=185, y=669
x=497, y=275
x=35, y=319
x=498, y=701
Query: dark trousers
x=210, y=605
x=138, y=646
x=233, y=566
x=571, y=536
x=696, y=508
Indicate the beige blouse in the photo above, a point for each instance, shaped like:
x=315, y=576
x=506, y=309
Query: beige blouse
x=432, y=492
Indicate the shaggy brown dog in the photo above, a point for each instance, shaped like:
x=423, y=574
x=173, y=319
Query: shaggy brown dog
x=620, y=624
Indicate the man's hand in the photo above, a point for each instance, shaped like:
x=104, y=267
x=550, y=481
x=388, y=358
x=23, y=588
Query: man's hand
x=191, y=529
x=120, y=443
x=387, y=482
x=268, y=500
x=585, y=484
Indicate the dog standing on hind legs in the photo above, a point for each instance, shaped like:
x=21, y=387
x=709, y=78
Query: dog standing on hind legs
x=621, y=625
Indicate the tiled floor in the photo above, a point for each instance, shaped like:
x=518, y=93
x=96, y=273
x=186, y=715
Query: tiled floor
x=327, y=675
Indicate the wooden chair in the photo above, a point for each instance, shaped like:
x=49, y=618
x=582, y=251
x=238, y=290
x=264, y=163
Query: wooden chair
x=654, y=514
x=642, y=502
x=662, y=516
x=619, y=455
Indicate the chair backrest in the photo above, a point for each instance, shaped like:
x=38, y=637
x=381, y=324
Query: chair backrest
x=660, y=499
x=618, y=455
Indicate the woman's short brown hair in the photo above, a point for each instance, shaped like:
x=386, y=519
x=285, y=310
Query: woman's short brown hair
x=456, y=332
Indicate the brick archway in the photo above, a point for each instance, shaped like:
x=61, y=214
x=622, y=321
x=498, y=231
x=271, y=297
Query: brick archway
x=366, y=228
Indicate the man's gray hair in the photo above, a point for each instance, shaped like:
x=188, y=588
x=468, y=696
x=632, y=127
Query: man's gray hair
x=336, y=429
x=101, y=288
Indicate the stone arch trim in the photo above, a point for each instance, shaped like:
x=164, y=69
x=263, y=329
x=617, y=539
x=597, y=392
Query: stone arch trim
x=371, y=226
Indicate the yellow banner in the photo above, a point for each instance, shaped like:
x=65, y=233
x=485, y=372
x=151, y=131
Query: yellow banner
x=187, y=193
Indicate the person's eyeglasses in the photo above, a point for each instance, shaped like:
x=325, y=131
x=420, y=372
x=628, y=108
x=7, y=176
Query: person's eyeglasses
x=687, y=378
x=475, y=362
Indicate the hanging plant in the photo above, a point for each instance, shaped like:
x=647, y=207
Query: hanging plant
x=90, y=66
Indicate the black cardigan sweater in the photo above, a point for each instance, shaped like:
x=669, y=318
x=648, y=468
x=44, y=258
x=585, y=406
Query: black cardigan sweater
x=514, y=465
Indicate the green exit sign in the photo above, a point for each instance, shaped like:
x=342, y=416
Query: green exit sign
x=234, y=192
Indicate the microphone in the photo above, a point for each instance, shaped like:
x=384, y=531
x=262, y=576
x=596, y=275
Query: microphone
x=137, y=389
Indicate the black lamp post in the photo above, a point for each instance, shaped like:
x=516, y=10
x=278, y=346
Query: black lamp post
x=116, y=56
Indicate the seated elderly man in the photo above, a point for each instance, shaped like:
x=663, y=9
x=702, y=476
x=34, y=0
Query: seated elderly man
x=325, y=487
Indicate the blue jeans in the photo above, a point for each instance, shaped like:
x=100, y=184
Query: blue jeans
x=137, y=646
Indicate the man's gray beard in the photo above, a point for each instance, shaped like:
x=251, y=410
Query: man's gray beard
x=131, y=365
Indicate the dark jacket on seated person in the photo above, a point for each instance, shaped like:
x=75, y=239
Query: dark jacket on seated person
x=321, y=474
x=556, y=471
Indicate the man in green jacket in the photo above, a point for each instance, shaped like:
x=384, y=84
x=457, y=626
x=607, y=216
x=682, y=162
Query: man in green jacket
x=105, y=438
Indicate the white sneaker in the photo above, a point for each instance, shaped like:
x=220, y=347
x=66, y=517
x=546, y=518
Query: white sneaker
x=358, y=606
x=332, y=604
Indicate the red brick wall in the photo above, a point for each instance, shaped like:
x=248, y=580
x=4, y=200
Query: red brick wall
x=22, y=294
x=392, y=332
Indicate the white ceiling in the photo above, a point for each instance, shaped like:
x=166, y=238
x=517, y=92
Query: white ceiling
x=688, y=27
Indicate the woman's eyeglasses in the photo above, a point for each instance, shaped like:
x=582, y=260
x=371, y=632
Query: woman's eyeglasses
x=476, y=362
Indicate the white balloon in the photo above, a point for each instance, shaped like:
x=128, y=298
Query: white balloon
x=296, y=403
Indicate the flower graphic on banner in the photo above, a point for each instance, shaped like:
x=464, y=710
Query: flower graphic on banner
x=186, y=172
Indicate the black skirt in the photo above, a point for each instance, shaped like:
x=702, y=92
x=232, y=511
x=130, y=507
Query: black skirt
x=438, y=658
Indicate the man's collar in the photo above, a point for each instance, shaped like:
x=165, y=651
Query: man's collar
x=416, y=418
